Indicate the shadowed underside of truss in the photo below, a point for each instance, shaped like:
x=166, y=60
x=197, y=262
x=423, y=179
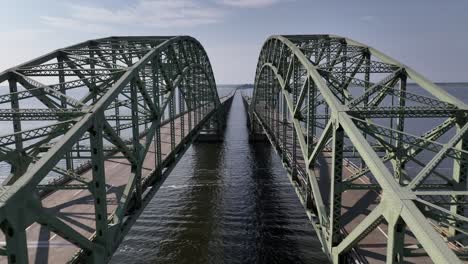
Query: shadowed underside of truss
x=377, y=153
x=89, y=132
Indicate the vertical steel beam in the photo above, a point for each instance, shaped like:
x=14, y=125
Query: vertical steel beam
x=328, y=63
x=344, y=69
x=15, y=238
x=400, y=126
x=136, y=168
x=16, y=119
x=311, y=115
x=182, y=115
x=195, y=100
x=285, y=129
x=367, y=85
x=99, y=190
x=18, y=167
x=336, y=188
x=63, y=104
x=310, y=126
x=199, y=99
x=190, y=103
x=459, y=177
x=269, y=98
x=172, y=118
x=395, y=240
x=277, y=110
x=116, y=108
x=92, y=65
x=295, y=89
x=157, y=119
x=204, y=95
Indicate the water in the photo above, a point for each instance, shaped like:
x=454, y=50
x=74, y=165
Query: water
x=227, y=202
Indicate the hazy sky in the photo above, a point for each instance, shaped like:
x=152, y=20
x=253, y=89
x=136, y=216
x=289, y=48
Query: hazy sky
x=430, y=36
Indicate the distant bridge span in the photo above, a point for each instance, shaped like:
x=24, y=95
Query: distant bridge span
x=379, y=163
x=116, y=114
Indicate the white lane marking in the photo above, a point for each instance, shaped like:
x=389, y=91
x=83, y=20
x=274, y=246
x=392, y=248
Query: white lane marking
x=383, y=233
x=75, y=194
x=55, y=235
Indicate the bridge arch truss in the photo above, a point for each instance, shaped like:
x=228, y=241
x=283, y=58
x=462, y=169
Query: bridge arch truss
x=376, y=152
x=77, y=118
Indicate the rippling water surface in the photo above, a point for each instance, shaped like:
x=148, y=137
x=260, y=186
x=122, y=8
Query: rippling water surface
x=228, y=202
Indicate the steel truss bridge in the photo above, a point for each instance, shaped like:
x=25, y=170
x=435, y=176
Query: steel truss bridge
x=90, y=132
x=377, y=153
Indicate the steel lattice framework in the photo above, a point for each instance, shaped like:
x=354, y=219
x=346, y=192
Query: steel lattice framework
x=344, y=118
x=134, y=102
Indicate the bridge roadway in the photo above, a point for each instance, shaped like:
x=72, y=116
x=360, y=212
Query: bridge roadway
x=356, y=204
x=76, y=207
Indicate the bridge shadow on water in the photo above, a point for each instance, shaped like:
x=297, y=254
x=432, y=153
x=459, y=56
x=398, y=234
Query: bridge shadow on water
x=228, y=202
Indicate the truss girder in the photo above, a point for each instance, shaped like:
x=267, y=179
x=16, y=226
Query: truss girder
x=363, y=97
x=100, y=101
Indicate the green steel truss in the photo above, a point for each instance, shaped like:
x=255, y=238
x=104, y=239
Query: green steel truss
x=98, y=100
x=347, y=125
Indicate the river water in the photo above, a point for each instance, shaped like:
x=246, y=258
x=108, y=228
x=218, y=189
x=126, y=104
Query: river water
x=228, y=202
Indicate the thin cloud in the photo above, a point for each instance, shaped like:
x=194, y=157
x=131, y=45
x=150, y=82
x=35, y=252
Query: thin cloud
x=250, y=3
x=73, y=24
x=147, y=13
x=367, y=18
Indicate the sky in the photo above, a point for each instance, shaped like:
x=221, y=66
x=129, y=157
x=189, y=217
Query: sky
x=430, y=36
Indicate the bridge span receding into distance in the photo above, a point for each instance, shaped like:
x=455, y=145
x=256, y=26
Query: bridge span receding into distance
x=91, y=131
x=116, y=115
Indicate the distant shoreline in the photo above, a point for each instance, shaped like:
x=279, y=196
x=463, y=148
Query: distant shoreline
x=449, y=83
x=250, y=86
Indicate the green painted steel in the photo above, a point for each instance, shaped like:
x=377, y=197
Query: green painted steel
x=98, y=100
x=341, y=116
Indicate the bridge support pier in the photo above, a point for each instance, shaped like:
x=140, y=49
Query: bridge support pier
x=215, y=127
x=256, y=133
